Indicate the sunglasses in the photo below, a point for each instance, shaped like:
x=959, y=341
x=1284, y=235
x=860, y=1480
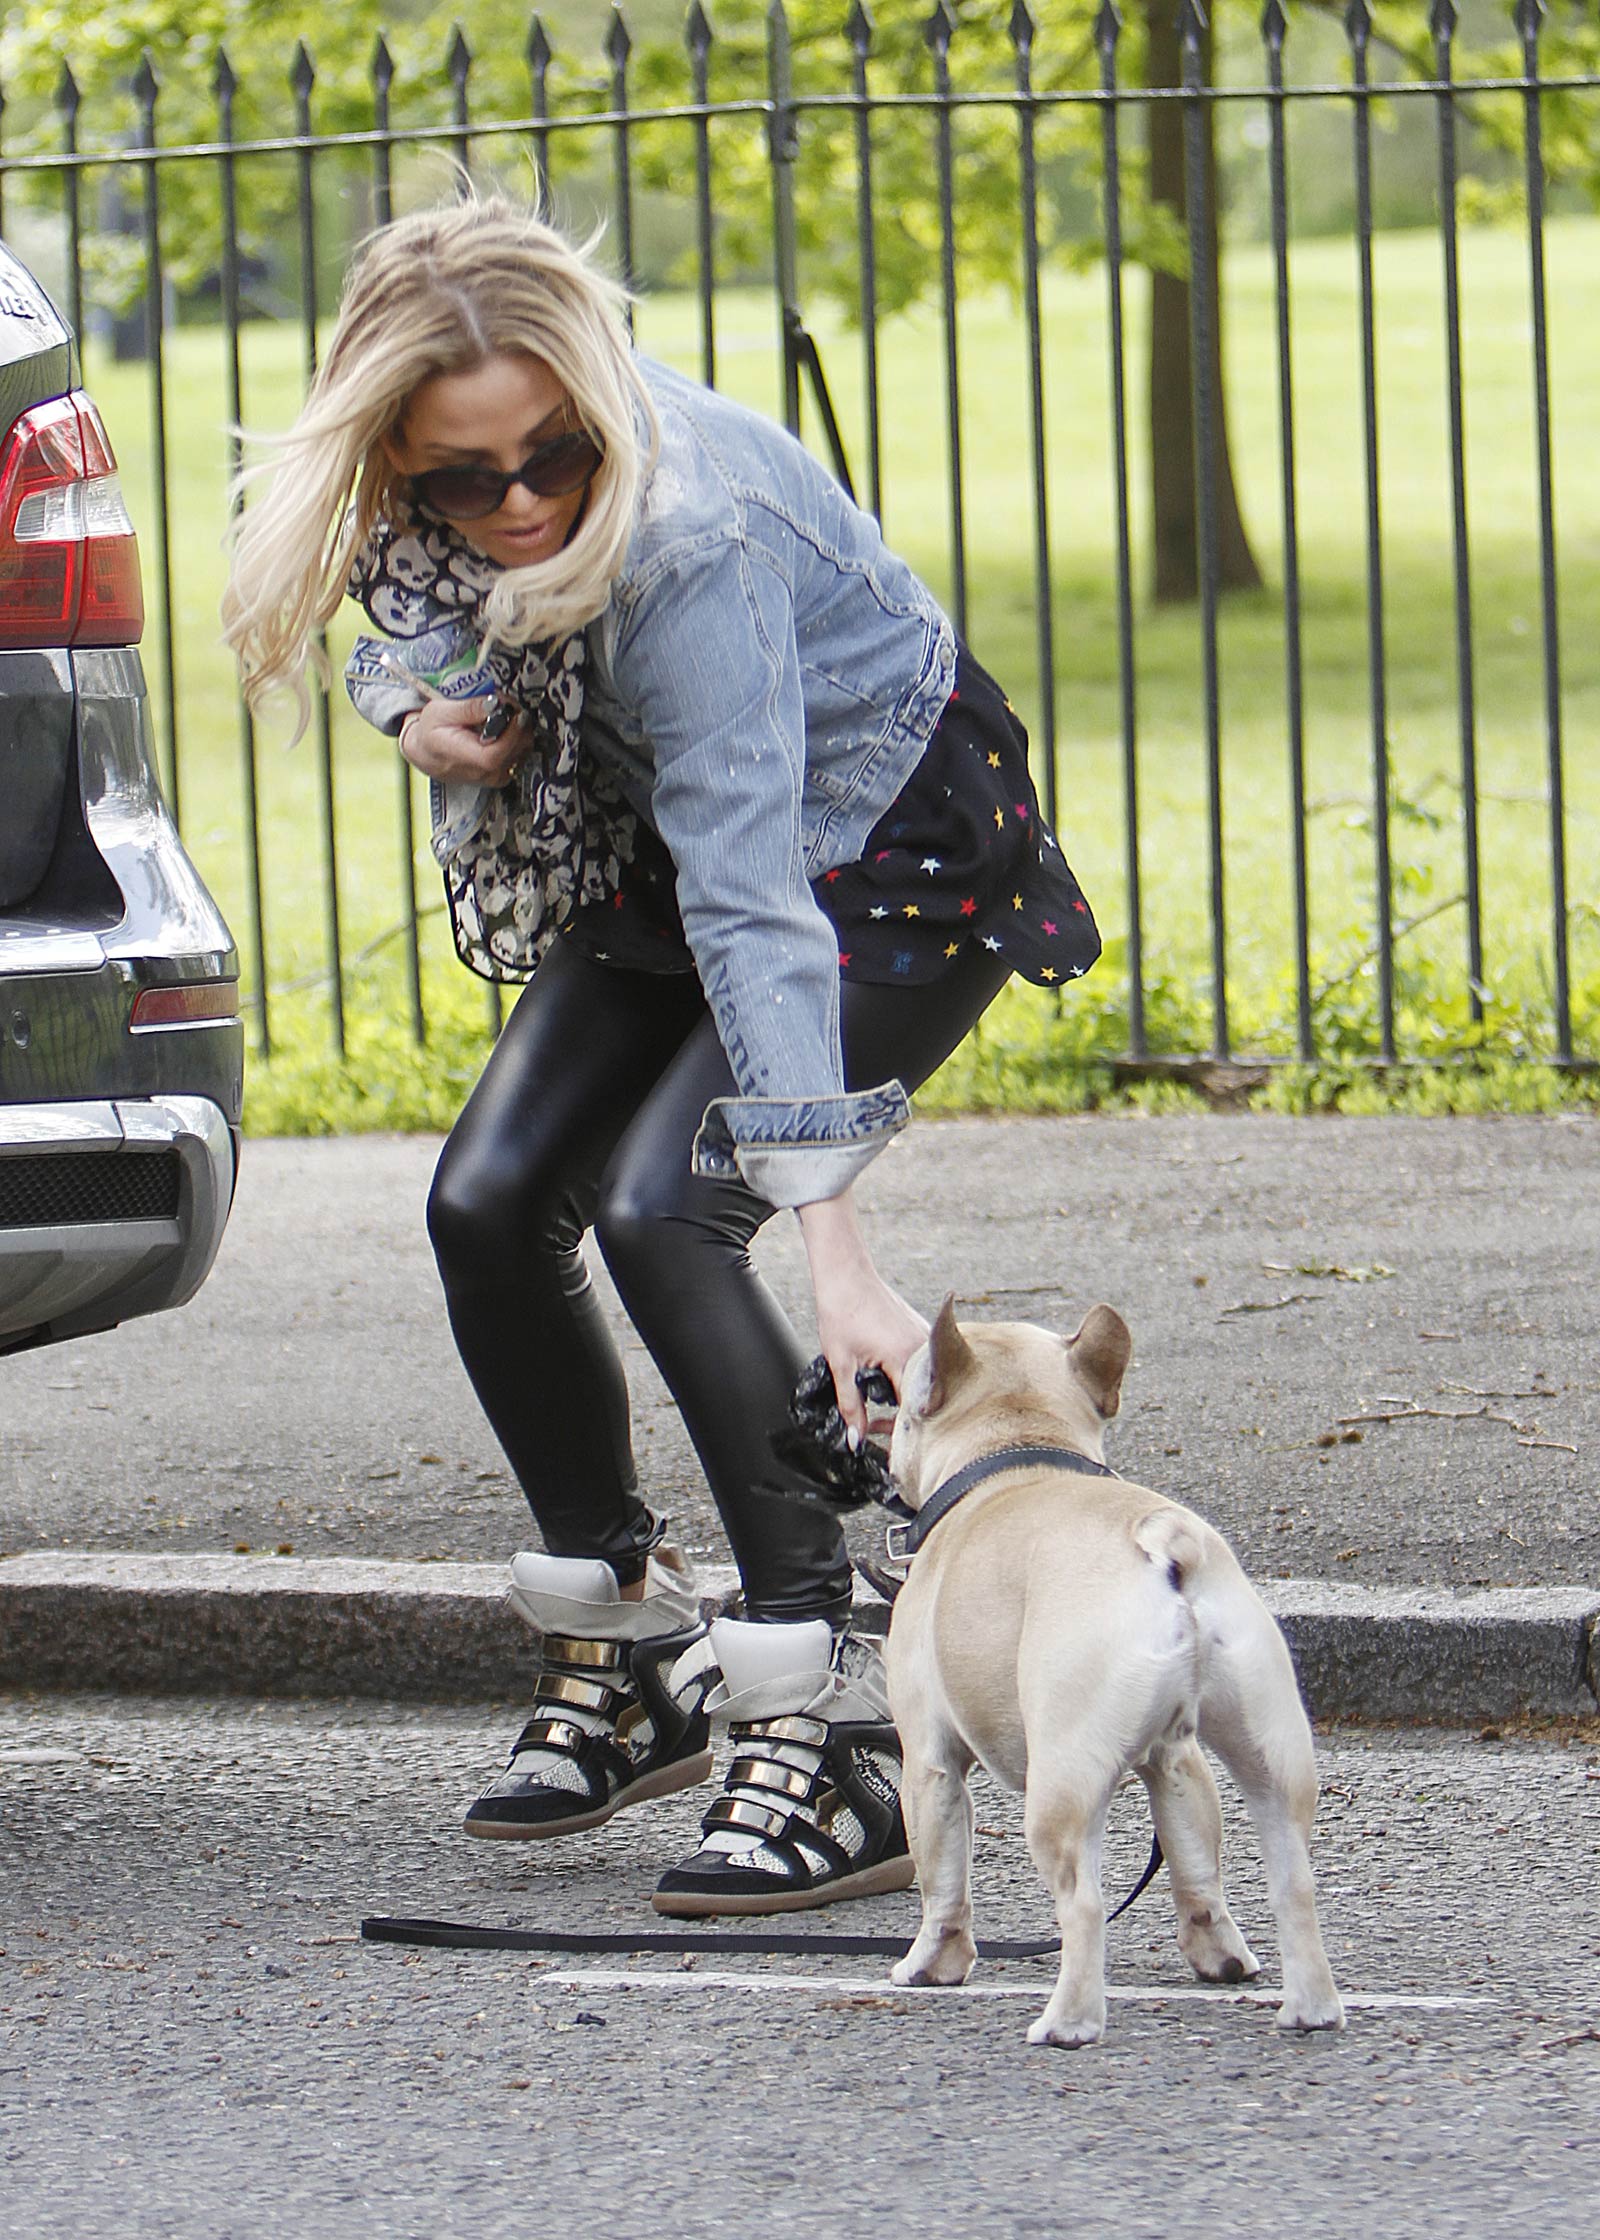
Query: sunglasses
x=552, y=470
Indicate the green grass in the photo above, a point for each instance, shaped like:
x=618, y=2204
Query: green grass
x=1035, y=1050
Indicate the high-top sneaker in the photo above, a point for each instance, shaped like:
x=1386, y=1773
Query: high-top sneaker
x=619, y=1704
x=810, y=1809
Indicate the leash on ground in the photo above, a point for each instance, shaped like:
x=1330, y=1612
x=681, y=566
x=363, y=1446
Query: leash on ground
x=468, y=1936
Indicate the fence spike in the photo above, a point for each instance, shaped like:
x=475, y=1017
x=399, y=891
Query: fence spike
x=381, y=66
x=302, y=71
x=1443, y=17
x=1021, y=27
x=67, y=94
x=1528, y=16
x=618, y=39
x=697, y=32
x=1107, y=27
x=539, y=50
x=859, y=29
x=458, y=58
x=940, y=28
x=146, y=85
x=1358, y=24
x=1274, y=26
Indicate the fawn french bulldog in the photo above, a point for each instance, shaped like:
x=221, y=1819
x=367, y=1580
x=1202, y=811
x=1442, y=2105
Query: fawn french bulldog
x=1063, y=1627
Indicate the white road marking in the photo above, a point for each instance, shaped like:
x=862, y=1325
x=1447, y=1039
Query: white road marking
x=713, y=1979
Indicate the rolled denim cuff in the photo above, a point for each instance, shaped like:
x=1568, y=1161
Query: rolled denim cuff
x=378, y=696
x=385, y=701
x=795, y=1150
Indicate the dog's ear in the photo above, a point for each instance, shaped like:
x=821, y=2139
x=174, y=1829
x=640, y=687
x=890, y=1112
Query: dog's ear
x=1100, y=1354
x=949, y=1356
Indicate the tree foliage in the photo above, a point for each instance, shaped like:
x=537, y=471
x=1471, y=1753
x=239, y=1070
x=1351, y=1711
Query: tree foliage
x=290, y=63
x=985, y=42
x=104, y=48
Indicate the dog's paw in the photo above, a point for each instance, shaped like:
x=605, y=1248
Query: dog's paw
x=942, y=1963
x=1047, y=2032
x=910, y=1977
x=1217, y=1952
x=1312, y=2014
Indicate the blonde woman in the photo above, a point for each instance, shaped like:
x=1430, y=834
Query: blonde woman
x=709, y=756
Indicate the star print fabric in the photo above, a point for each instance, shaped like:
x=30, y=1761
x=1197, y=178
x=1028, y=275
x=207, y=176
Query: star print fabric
x=962, y=855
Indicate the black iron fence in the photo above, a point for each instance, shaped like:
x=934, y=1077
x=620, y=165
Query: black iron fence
x=1080, y=143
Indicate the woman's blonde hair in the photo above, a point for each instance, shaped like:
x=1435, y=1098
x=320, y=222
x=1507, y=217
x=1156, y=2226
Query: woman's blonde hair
x=437, y=292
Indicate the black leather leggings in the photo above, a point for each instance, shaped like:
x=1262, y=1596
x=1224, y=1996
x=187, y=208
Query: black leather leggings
x=585, y=1116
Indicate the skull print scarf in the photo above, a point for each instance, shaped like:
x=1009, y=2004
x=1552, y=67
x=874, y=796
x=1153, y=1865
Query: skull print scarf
x=517, y=859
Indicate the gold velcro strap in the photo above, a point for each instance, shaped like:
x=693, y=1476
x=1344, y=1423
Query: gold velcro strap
x=794, y=1728
x=551, y=1734
x=739, y=1812
x=571, y=1648
x=767, y=1773
x=583, y=1695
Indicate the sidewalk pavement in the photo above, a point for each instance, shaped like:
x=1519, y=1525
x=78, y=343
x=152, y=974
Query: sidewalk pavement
x=1366, y=1349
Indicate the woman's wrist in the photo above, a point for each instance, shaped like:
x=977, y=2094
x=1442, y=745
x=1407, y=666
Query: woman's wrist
x=861, y=1322
x=832, y=1234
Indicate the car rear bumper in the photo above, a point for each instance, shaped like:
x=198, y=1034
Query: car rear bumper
x=108, y=1209
x=67, y=1031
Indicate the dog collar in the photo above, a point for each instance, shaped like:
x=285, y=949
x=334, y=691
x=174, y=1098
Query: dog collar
x=903, y=1540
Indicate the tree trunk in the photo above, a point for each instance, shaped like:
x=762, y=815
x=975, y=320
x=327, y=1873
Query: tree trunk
x=1172, y=470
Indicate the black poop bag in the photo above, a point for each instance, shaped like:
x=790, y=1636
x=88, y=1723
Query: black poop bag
x=813, y=1443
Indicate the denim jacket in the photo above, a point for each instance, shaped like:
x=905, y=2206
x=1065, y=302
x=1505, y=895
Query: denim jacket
x=762, y=684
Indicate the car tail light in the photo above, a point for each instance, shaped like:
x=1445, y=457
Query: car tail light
x=195, y=1003
x=69, y=560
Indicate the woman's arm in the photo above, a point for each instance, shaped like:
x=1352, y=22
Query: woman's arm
x=861, y=1322
x=708, y=659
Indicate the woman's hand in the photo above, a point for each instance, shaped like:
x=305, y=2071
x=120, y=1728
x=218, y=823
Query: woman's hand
x=442, y=740
x=861, y=1323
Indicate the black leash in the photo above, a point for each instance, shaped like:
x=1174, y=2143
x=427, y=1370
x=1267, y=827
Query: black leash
x=396, y=1929
x=468, y=1936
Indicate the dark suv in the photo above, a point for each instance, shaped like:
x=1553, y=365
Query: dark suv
x=121, y=1046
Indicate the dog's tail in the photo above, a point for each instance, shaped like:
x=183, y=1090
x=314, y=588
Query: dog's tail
x=1173, y=1542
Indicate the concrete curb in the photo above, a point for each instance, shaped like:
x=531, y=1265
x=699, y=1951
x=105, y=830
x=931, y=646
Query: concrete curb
x=249, y=1625
x=1430, y=1654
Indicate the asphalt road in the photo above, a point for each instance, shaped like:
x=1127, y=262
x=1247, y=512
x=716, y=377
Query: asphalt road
x=194, y=2046
x=1280, y=1277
